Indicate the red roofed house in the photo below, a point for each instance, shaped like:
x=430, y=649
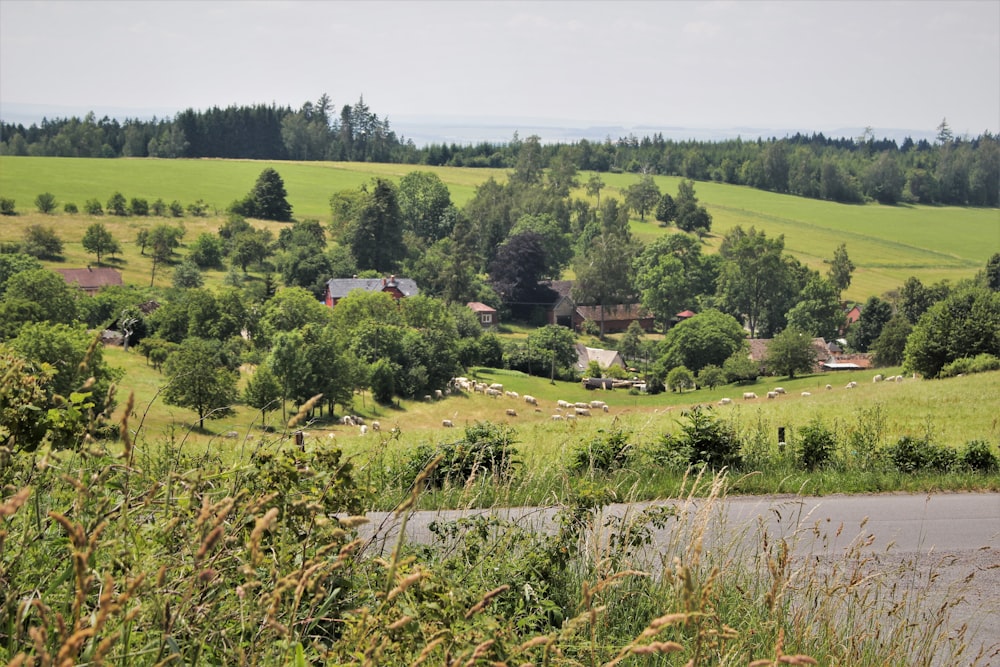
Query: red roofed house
x=616, y=318
x=338, y=288
x=487, y=316
x=90, y=280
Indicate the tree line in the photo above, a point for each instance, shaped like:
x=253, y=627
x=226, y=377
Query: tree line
x=952, y=170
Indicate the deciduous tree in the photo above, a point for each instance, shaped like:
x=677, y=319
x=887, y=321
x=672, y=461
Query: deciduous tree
x=791, y=352
x=199, y=380
x=841, y=268
x=98, y=240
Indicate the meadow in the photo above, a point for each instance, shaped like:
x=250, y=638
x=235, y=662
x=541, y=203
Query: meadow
x=887, y=243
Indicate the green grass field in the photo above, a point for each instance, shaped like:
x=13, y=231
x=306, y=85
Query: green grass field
x=887, y=243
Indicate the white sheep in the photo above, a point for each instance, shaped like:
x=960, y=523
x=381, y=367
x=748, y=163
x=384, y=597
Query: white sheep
x=806, y=393
x=446, y=423
x=376, y=426
x=438, y=394
x=725, y=401
x=511, y=412
x=772, y=394
x=749, y=395
x=557, y=418
x=582, y=412
x=530, y=400
x=779, y=390
x=364, y=430
x=563, y=404
x=829, y=386
x=878, y=378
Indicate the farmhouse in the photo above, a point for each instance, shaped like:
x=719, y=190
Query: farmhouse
x=338, y=288
x=758, y=352
x=91, y=280
x=604, y=358
x=616, y=318
x=487, y=316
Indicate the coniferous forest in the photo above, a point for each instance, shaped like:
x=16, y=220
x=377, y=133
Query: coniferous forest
x=959, y=171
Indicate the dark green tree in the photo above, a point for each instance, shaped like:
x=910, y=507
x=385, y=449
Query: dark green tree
x=791, y=352
x=963, y=324
x=671, y=273
x=666, y=210
x=187, y=275
x=818, y=311
x=874, y=315
x=643, y=196
x=424, y=200
x=45, y=203
x=841, y=268
x=708, y=338
x=680, y=378
x=888, y=349
x=993, y=272
x=117, y=205
x=375, y=234
x=691, y=217
x=270, y=198
x=559, y=346
x=42, y=242
x=98, y=240
x=199, y=380
x=752, y=274
x=519, y=264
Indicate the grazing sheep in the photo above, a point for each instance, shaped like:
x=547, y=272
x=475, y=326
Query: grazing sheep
x=557, y=418
x=493, y=393
x=427, y=398
x=806, y=393
x=447, y=423
x=497, y=386
x=582, y=412
x=376, y=426
x=581, y=405
x=725, y=401
x=562, y=404
x=878, y=378
x=851, y=385
x=364, y=430
x=231, y=434
x=511, y=412
x=899, y=378
x=749, y=395
x=772, y=394
x=348, y=420
x=570, y=416
x=829, y=386
x=530, y=400
x=358, y=420
x=438, y=394
x=779, y=390
x=598, y=404
x=604, y=407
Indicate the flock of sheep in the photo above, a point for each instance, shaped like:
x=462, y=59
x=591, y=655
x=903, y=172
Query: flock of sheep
x=778, y=391
x=564, y=410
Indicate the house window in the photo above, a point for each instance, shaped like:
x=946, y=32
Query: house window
x=487, y=318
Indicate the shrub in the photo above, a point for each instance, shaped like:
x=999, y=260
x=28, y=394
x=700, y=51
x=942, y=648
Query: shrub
x=816, y=445
x=609, y=450
x=981, y=363
x=116, y=205
x=158, y=208
x=176, y=210
x=679, y=379
x=199, y=209
x=45, y=203
x=711, y=376
x=93, y=207
x=71, y=208
x=977, y=455
x=42, y=242
x=7, y=206
x=740, y=367
x=709, y=440
x=911, y=454
x=139, y=206
x=486, y=450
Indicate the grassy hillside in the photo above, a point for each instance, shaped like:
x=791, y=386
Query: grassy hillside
x=887, y=243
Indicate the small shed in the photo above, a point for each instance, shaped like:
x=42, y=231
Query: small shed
x=487, y=316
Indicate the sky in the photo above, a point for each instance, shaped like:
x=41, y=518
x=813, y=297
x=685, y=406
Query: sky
x=815, y=65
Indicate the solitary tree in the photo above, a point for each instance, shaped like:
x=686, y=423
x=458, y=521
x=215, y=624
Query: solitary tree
x=199, y=381
x=643, y=196
x=841, y=268
x=45, y=203
x=98, y=240
x=269, y=197
x=559, y=346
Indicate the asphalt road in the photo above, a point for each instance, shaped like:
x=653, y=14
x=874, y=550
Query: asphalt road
x=929, y=542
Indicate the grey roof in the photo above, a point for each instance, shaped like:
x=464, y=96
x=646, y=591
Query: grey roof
x=341, y=287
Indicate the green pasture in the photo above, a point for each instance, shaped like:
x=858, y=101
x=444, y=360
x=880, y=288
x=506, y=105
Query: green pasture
x=887, y=243
x=951, y=412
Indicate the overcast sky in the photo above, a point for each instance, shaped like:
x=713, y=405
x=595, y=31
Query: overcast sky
x=816, y=65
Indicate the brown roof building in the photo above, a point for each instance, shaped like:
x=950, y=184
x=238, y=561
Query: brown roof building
x=91, y=280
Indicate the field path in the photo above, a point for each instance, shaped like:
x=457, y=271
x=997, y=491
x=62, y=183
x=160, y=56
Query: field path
x=931, y=543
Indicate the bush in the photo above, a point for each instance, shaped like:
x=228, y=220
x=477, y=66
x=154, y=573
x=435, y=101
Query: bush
x=977, y=455
x=740, y=367
x=709, y=440
x=199, y=209
x=7, y=206
x=679, y=379
x=816, y=445
x=486, y=450
x=45, y=203
x=116, y=205
x=176, y=210
x=605, y=452
x=158, y=208
x=911, y=454
x=981, y=363
x=711, y=376
x=139, y=206
x=93, y=207
x=71, y=208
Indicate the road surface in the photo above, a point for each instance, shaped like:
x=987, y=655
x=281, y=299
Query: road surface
x=929, y=543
